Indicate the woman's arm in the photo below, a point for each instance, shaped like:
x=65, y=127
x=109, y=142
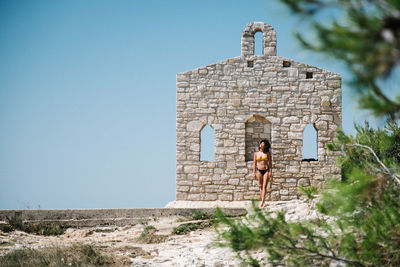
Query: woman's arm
x=255, y=165
x=270, y=162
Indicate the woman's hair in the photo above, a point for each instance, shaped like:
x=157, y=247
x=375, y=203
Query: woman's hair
x=267, y=145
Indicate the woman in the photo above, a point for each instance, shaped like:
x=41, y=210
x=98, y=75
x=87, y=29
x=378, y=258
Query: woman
x=262, y=168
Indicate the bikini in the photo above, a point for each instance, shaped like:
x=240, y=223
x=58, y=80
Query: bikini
x=265, y=157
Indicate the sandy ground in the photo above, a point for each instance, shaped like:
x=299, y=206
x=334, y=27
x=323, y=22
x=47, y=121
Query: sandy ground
x=193, y=249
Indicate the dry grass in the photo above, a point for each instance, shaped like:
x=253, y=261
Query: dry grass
x=149, y=236
x=32, y=228
x=76, y=255
x=188, y=227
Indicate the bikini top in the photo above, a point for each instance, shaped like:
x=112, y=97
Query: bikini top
x=265, y=157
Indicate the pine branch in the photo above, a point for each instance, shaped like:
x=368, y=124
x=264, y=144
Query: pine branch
x=388, y=8
x=386, y=169
x=316, y=253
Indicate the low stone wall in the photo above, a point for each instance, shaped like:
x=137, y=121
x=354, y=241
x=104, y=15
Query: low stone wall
x=102, y=217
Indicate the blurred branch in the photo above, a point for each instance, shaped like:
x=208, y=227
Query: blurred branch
x=316, y=253
x=386, y=169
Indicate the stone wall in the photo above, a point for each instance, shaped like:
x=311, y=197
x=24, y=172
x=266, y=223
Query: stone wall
x=245, y=99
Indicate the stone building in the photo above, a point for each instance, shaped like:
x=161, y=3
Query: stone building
x=245, y=99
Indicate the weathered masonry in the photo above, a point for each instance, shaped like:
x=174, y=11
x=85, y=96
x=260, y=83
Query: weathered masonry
x=245, y=99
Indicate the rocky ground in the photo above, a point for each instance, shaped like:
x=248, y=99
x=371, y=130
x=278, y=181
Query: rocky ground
x=195, y=248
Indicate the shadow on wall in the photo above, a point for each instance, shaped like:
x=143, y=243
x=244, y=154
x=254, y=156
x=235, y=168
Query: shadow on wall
x=257, y=128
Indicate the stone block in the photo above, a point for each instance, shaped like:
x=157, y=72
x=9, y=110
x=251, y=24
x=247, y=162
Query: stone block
x=306, y=86
x=293, y=191
x=194, y=126
x=194, y=197
x=228, y=187
x=184, y=182
x=229, y=143
x=181, y=196
x=243, y=170
x=281, y=88
x=295, y=135
x=191, y=169
x=290, y=120
x=292, y=169
x=325, y=101
x=182, y=84
x=209, y=196
x=218, y=170
x=233, y=181
x=288, y=185
x=195, y=190
x=193, y=176
x=275, y=195
x=334, y=84
x=227, y=150
x=195, y=147
x=236, y=102
x=182, y=188
x=283, y=192
x=225, y=197
x=179, y=168
x=306, y=170
x=293, y=73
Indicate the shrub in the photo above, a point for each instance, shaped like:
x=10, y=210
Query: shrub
x=188, y=227
x=36, y=228
x=149, y=236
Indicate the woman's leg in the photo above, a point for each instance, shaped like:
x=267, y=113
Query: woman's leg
x=264, y=188
x=260, y=183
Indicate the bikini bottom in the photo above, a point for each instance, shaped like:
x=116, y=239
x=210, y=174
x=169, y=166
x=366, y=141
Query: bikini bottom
x=263, y=171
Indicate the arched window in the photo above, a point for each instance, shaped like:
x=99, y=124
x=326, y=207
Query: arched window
x=310, y=143
x=257, y=128
x=258, y=44
x=207, y=144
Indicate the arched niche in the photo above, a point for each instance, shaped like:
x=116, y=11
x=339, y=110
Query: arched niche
x=257, y=128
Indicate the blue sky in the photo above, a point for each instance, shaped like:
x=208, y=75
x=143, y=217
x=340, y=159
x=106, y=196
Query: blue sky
x=87, y=93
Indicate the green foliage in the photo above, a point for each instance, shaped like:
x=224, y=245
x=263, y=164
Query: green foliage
x=365, y=35
x=185, y=228
x=199, y=215
x=309, y=191
x=104, y=230
x=6, y=228
x=188, y=227
x=362, y=222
